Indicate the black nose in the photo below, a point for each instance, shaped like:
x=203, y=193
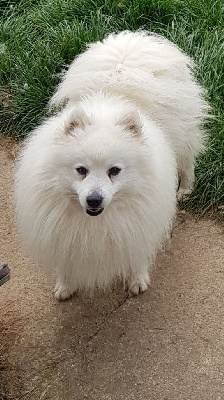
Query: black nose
x=94, y=200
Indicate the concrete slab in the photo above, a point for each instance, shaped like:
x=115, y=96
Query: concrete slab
x=167, y=344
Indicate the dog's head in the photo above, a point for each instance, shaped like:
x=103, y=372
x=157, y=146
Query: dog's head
x=103, y=143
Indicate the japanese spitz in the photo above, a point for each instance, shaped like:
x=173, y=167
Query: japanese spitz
x=96, y=184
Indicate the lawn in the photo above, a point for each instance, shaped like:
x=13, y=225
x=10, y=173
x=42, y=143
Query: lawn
x=40, y=38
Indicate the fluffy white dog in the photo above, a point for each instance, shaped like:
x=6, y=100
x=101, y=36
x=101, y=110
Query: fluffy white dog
x=96, y=183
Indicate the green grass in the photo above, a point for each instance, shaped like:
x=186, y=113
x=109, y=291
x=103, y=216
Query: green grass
x=39, y=38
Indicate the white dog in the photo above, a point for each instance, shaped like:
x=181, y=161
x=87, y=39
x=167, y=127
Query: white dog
x=96, y=183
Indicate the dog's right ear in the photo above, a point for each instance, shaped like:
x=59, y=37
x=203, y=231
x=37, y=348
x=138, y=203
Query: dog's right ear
x=78, y=119
x=132, y=123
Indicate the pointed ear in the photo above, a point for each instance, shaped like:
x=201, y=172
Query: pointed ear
x=131, y=122
x=78, y=119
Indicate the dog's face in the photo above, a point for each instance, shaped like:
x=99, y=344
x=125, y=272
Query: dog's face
x=103, y=157
x=96, y=183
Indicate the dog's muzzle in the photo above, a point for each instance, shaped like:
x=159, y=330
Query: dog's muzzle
x=94, y=202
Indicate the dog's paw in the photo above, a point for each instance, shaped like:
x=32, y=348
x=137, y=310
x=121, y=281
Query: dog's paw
x=62, y=292
x=183, y=194
x=139, y=285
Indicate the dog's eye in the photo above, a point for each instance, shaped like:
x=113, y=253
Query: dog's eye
x=113, y=171
x=82, y=171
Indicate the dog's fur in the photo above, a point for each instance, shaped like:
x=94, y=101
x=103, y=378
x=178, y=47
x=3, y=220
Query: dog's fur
x=132, y=103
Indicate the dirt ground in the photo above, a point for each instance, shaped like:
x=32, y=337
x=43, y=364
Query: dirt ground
x=167, y=344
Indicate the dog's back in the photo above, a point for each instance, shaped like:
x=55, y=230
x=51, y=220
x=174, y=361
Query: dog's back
x=151, y=72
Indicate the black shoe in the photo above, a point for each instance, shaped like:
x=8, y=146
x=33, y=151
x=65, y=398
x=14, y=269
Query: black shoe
x=4, y=274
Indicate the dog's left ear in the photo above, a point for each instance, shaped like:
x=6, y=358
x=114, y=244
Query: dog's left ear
x=78, y=119
x=131, y=122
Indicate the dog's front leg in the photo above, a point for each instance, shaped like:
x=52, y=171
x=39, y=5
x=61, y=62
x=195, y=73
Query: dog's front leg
x=139, y=280
x=65, y=287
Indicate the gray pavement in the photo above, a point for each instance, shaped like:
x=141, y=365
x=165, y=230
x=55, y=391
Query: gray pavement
x=167, y=344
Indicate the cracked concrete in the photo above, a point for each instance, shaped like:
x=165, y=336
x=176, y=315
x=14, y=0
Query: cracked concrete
x=167, y=344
